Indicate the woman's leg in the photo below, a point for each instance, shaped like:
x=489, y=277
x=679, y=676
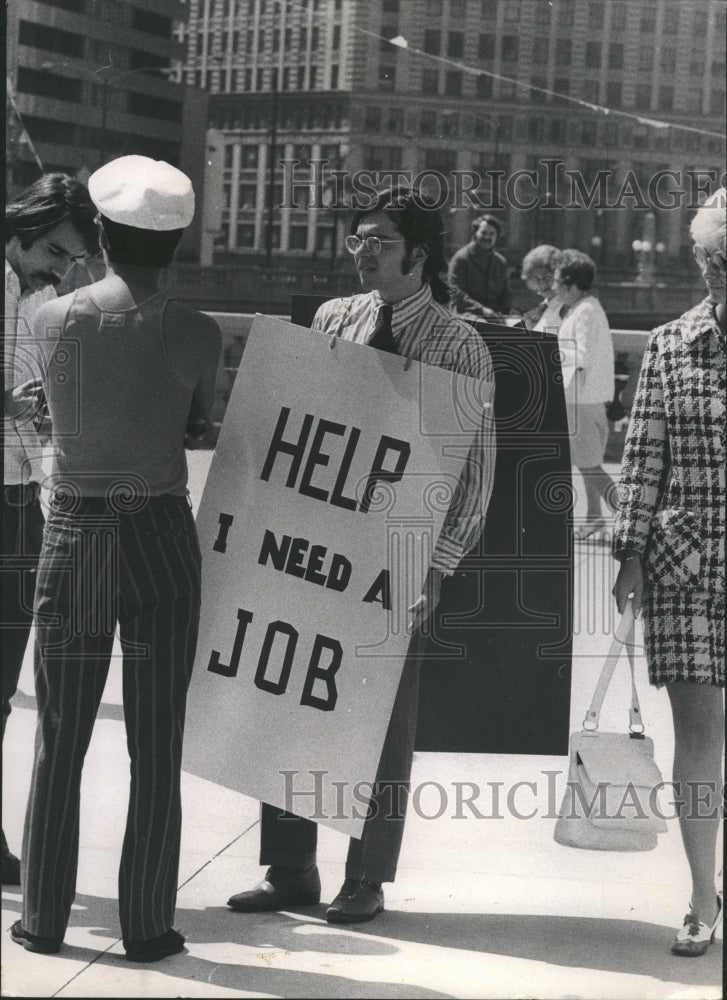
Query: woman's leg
x=698, y=712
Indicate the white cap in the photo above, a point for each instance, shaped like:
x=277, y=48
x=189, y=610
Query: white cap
x=144, y=193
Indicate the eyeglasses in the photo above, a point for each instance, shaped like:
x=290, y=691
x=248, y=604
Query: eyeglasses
x=705, y=258
x=373, y=244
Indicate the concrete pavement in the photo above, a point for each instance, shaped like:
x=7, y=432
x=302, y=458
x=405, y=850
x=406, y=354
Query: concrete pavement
x=485, y=906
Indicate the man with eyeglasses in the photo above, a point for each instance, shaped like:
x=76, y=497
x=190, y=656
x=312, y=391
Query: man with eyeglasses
x=47, y=229
x=398, y=249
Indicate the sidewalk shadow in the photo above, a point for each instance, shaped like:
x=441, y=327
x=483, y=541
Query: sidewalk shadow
x=263, y=935
x=631, y=947
x=619, y=946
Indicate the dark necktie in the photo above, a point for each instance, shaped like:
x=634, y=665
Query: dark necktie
x=383, y=338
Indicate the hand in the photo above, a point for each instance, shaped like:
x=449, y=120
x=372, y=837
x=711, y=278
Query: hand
x=23, y=400
x=425, y=605
x=630, y=581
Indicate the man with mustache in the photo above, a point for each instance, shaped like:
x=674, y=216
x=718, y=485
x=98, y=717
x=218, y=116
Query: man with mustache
x=47, y=228
x=398, y=248
x=478, y=273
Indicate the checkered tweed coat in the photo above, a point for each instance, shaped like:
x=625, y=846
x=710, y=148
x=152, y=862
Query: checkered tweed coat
x=672, y=491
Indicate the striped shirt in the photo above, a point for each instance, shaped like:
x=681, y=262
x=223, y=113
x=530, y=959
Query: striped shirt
x=426, y=331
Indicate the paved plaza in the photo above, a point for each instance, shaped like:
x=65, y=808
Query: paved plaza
x=483, y=907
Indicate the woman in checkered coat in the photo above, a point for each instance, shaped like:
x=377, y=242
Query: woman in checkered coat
x=669, y=538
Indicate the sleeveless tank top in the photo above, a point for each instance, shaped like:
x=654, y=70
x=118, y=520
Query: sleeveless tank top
x=118, y=409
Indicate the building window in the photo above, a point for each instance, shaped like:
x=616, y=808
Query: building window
x=430, y=81
x=443, y=160
x=671, y=19
x=483, y=86
x=453, y=84
x=535, y=129
x=336, y=41
x=561, y=85
x=248, y=157
x=613, y=93
x=372, y=121
x=434, y=8
x=486, y=48
x=458, y=9
x=313, y=78
x=666, y=98
x=716, y=102
x=595, y=14
x=428, y=122
x=589, y=133
x=541, y=50
x=563, y=50
x=643, y=95
x=334, y=77
x=648, y=19
x=593, y=54
x=151, y=23
x=38, y=36
x=590, y=91
x=694, y=101
x=432, y=41
x=618, y=16
x=148, y=106
x=509, y=48
x=646, y=58
x=668, y=60
x=536, y=95
x=247, y=197
x=63, y=88
x=481, y=127
x=557, y=130
x=298, y=238
x=450, y=123
x=391, y=6
x=246, y=235
x=615, y=56
x=387, y=77
x=566, y=12
x=455, y=44
x=489, y=10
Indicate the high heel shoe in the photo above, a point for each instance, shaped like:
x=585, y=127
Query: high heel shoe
x=694, y=937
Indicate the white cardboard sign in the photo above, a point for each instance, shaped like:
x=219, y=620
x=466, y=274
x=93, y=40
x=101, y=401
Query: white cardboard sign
x=326, y=494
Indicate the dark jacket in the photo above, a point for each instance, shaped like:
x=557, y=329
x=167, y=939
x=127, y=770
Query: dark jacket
x=477, y=279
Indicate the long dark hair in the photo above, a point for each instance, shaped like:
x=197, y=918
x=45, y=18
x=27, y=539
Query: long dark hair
x=420, y=224
x=48, y=202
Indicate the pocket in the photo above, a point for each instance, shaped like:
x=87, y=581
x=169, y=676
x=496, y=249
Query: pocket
x=676, y=553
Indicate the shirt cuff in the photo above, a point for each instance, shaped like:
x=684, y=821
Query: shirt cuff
x=447, y=555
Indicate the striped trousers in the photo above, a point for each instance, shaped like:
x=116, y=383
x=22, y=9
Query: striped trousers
x=135, y=563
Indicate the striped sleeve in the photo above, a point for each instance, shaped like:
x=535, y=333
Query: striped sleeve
x=465, y=518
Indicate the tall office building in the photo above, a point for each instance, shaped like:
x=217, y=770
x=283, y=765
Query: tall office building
x=94, y=79
x=472, y=88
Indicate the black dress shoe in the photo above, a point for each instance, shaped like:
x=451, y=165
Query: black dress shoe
x=10, y=869
x=356, y=902
x=281, y=887
x=33, y=942
x=152, y=950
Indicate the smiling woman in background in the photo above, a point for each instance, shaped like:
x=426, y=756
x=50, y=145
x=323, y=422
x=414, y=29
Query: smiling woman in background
x=669, y=539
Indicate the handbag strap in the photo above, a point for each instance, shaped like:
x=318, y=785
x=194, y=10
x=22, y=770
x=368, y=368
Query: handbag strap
x=624, y=635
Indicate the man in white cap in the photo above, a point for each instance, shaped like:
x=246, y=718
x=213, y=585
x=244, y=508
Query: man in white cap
x=122, y=367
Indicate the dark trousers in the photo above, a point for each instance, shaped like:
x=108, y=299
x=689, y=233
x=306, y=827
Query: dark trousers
x=100, y=566
x=22, y=538
x=286, y=839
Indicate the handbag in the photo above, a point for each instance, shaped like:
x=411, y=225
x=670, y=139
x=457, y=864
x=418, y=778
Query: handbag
x=610, y=799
